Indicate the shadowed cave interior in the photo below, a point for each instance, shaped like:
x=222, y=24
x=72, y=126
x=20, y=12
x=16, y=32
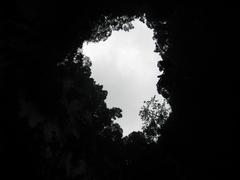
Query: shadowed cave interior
x=55, y=123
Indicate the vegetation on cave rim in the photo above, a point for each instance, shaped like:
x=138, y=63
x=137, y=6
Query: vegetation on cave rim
x=103, y=29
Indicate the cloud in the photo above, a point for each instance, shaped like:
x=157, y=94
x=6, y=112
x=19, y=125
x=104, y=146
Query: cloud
x=126, y=65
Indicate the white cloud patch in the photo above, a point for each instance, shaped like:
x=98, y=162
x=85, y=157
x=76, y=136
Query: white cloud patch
x=126, y=65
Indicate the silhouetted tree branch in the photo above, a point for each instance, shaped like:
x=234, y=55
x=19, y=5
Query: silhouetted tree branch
x=153, y=114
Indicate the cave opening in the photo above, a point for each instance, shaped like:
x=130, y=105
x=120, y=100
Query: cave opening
x=124, y=60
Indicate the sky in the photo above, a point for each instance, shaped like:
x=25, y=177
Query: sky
x=126, y=65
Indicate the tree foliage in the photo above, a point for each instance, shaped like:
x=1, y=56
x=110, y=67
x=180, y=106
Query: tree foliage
x=68, y=140
x=153, y=114
x=102, y=29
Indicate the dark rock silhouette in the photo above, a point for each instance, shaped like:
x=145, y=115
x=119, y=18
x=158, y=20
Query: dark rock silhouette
x=55, y=123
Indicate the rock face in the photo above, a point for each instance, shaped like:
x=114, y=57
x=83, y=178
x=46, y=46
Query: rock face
x=199, y=75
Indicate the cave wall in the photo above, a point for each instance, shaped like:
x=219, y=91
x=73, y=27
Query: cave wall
x=199, y=78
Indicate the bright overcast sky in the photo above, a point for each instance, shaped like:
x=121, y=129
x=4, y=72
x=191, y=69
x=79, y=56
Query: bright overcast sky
x=126, y=65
